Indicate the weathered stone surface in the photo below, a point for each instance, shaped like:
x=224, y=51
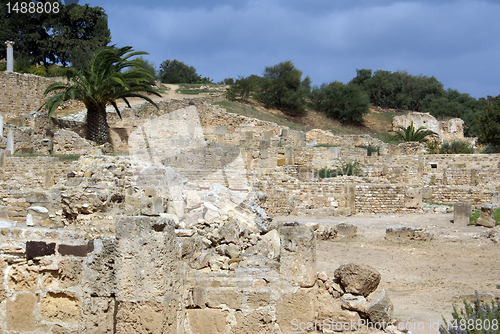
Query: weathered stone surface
x=23, y=278
x=60, y=306
x=299, y=306
x=207, y=321
x=408, y=232
x=413, y=198
x=39, y=248
x=298, y=255
x=147, y=258
x=270, y=245
x=3, y=266
x=461, y=213
x=146, y=317
x=101, y=273
x=358, y=279
x=486, y=217
x=70, y=273
x=331, y=313
x=354, y=303
x=346, y=230
x=20, y=315
x=258, y=299
x=231, y=297
x=380, y=308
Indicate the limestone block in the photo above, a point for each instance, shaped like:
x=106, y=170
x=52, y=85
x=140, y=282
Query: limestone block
x=147, y=259
x=207, y=321
x=20, y=315
x=24, y=278
x=461, y=213
x=297, y=307
x=346, y=230
x=486, y=217
x=258, y=299
x=40, y=215
x=70, y=273
x=193, y=200
x=270, y=245
x=407, y=232
x=413, y=198
x=298, y=255
x=380, y=308
x=358, y=279
x=216, y=297
x=149, y=206
x=146, y=317
x=256, y=322
x=60, y=306
x=101, y=269
x=354, y=303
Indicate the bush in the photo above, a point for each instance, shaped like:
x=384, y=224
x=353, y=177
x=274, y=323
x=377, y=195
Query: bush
x=175, y=72
x=341, y=168
x=456, y=147
x=284, y=89
x=477, y=317
x=488, y=122
x=243, y=87
x=346, y=103
x=491, y=149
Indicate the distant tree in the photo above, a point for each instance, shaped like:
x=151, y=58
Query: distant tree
x=244, y=87
x=488, y=122
x=284, y=89
x=68, y=37
x=148, y=65
x=411, y=134
x=174, y=72
x=346, y=103
x=112, y=75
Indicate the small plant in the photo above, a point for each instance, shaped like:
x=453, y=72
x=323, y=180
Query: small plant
x=496, y=215
x=433, y=146
x=342, y=168
x=491, y=149
x=456, y=147
x=474, y=216
x=477, y=317
x=409, y=133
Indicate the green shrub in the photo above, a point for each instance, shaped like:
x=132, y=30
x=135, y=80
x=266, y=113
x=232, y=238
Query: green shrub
x=491, y=149
x=456, y=147
x=346, y=103
x=340, y=169
x=477, y=317
x=325, y=145
x=284, y=89
x=244, y=87
x=496, y=215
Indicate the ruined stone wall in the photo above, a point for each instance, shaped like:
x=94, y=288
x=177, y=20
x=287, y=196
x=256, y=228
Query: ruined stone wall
x=24, y=179
x=449, y=130
x=21, y=93
x=57, y=281
x=450, y=194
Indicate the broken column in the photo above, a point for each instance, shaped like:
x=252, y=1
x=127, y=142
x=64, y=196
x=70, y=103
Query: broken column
x=10, y=56
x=298, y=254
x=220, y=131
x=289, y=155
x=1, y=125
x=461, y=213
x=10, y=141
x=486, y=217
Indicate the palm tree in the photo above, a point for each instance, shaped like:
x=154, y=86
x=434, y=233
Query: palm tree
x=410, y=134
x=112, y=75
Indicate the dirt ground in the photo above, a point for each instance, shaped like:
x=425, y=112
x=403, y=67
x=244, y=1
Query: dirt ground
x=423, y=278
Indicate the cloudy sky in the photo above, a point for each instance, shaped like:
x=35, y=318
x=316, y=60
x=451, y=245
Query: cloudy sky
x=455, y=41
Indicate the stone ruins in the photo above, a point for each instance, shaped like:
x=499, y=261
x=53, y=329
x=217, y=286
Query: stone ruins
x=169, y=229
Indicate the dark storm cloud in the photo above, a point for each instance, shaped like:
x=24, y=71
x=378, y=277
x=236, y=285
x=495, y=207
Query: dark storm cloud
x=327, y=40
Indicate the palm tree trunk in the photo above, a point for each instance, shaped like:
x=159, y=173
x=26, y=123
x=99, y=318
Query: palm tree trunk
x=97, y=124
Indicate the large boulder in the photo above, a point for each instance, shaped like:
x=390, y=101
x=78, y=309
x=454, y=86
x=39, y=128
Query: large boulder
x=358, y=279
